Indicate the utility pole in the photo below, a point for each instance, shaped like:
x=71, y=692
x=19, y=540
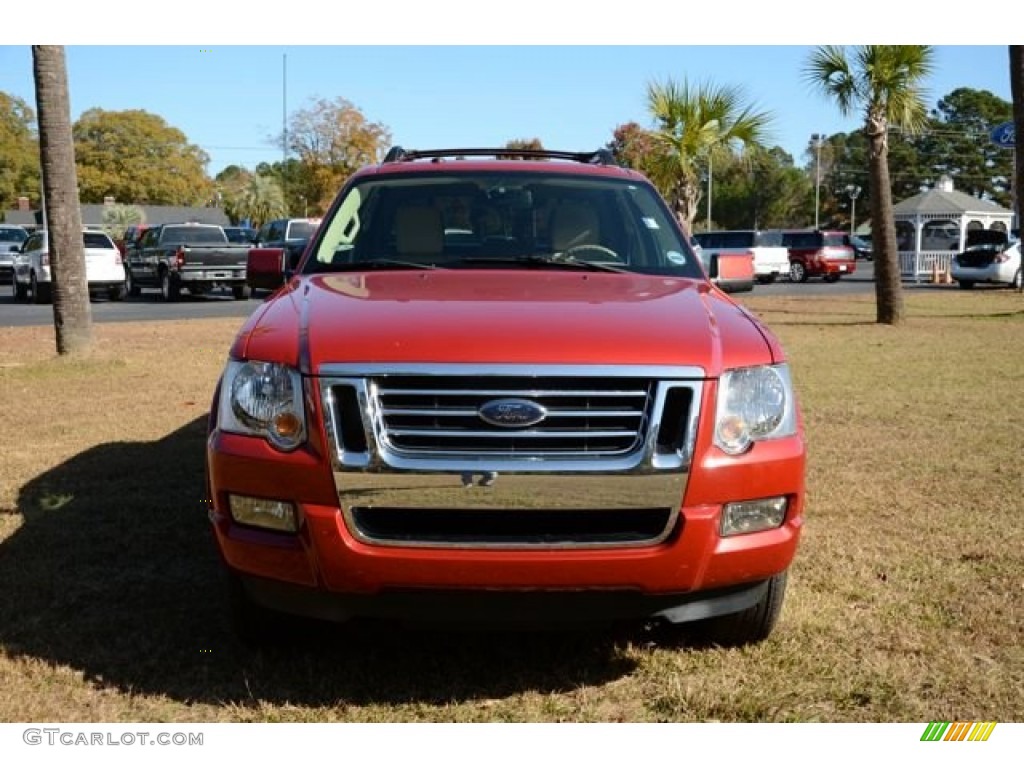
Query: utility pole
x=284, y=125
x=816, y=138
x=854, y=192
x=708, y=227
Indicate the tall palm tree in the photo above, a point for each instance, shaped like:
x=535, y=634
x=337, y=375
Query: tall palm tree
x=72, y=315
x=1017, y=93
x=885, y=82
x=694, y=124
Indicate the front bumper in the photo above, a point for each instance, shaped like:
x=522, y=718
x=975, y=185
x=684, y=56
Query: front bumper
x=326, y=570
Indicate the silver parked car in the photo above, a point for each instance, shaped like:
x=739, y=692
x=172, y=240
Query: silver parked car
x=11, y=238
x=991, y=257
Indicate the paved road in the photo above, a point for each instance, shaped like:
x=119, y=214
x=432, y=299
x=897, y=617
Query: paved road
x=149, y=307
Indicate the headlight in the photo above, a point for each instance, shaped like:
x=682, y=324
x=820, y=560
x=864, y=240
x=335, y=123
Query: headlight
x=263, y=399
x=754, y=404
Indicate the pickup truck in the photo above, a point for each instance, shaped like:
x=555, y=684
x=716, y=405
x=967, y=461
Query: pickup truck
x=504, y=390
x=280, y=242
x=196, y=257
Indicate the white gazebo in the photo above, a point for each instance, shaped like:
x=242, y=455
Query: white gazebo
x=931, y=228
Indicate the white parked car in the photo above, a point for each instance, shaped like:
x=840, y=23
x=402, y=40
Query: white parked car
x=104, y=269
x=770, y=256
x=11, y=238
x=991, y=257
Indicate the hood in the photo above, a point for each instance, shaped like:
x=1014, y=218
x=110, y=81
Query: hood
x=491, y=316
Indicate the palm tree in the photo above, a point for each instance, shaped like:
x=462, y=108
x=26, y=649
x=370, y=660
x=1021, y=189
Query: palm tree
x=261, y=200
x=1017, y=92
x=118, y=217
x=72, y=314
x=884, y=81
x=693, y=126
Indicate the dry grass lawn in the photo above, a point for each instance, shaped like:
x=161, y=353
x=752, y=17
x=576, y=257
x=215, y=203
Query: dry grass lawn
x=904, y=601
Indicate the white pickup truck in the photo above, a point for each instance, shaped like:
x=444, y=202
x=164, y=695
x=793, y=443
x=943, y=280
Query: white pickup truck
x=765, y=247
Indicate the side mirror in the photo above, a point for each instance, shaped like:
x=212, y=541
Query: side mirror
x=264, y=268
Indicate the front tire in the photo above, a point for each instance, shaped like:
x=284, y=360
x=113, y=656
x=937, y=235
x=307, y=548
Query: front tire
x=117, y=292
x=797, y=272
x=748, y=626
x=20, y=291
x=241, y=292
x=40, y=291
x=1018, y=280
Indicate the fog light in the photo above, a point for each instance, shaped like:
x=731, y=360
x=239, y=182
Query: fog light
x=263, y=513
x=751, y=516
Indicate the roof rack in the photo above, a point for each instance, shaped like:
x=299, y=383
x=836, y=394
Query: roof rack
x=598, y=157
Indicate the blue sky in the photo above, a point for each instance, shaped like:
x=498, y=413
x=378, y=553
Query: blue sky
x=228, y=98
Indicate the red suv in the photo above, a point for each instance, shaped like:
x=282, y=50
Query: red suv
x=818, y=253
x=503, y=389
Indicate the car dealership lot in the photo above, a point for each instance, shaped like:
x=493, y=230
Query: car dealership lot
x=220, y=303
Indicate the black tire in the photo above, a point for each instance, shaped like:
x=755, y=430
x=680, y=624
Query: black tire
x=966, y=285
x=797, y=272
x=1018, y=280
x=20, y=291
x=117, y=292
x=170, y=290
x=132, y=288
x=241, y=292
x=40, y=291
x=749, y=626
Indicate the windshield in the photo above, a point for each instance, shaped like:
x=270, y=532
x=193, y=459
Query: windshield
x=301, y=230
x=193, y=235
x=11, y=235
x=490, y=219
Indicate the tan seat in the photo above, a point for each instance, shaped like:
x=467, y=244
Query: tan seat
x=574, y=224
x=419, y=231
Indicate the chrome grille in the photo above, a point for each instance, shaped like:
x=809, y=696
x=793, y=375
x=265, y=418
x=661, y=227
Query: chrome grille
x=585, y=416
x=427, y=417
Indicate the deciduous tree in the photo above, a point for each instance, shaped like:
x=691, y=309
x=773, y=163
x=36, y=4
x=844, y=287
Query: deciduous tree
x=136, y=157
x=332, y=139
x=19, y=151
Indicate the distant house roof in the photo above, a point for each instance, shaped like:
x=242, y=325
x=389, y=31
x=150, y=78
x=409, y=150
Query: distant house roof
x=946, y=200
x=92, y=215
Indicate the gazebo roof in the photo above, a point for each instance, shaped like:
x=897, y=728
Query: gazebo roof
x=946, y=200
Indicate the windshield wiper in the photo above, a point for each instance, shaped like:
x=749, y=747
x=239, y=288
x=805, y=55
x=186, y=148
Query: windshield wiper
x=538, y=260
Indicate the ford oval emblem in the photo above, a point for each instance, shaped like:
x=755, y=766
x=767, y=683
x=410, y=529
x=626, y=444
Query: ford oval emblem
x=512, y=412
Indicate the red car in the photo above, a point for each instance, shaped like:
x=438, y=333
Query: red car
x=505, y=390
x=817, y=253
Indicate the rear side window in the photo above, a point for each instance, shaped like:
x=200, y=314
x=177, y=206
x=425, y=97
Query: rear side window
x=836, y=240
x=737, y=239
x=96, y=240
x=767, y=239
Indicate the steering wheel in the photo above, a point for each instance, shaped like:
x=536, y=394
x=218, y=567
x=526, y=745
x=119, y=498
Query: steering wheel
x=570, y=253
